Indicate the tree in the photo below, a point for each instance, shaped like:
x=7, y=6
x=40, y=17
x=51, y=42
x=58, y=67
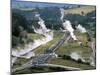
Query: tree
x=15, y=41
x=18, y=22
x=82, y=12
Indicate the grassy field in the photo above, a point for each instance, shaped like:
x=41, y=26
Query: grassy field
x=35, y=36
x=79, y=10
x=72, y=46
x=38, y=70
x=69, y=63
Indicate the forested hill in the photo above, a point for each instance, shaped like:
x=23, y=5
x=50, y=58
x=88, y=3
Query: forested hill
x=24, y=18
x=51, y=16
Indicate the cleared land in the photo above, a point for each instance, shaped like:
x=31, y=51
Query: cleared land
x=79, y=10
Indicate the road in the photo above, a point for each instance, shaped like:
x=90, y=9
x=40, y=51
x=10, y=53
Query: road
x=61, y=66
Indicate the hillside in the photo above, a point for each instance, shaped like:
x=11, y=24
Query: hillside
x=79, y=10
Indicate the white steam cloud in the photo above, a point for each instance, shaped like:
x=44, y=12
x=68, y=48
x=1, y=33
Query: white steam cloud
x=67, y=25
x=42, y=30
x=76, y=56
x=81, y=29
x=62, y=14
